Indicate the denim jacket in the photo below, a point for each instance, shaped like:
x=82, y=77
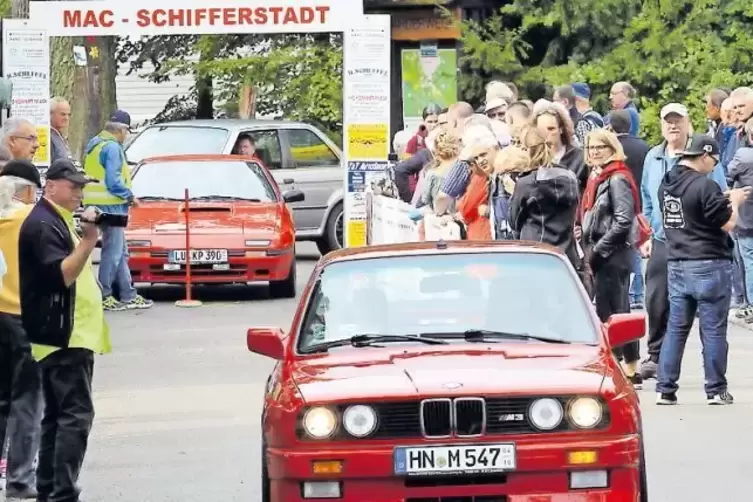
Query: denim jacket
x=656, y=165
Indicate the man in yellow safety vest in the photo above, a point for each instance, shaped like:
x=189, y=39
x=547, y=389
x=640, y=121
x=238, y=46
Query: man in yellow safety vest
x=105, y=161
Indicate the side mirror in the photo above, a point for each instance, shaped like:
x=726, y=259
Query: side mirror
x=266, y=341
x=625, y=328
x=293, y=196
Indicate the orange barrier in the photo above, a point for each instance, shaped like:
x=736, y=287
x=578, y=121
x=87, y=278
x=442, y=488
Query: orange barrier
x=188, y=301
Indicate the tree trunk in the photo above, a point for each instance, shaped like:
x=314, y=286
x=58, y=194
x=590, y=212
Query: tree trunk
x=20, y=9
x=89, y=89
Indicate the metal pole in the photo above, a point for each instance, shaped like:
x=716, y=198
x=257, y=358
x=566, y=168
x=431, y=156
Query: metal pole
x=188, y=246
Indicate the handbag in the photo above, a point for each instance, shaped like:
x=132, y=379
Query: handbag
x=641, y=231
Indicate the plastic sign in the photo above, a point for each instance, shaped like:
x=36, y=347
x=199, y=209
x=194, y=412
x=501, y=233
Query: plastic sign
x=107, y=17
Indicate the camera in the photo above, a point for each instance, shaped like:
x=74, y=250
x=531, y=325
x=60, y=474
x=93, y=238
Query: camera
x=108, y=219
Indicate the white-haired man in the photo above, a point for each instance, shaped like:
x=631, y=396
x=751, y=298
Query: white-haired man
x=60, y=120
x=622, y=97
x=20, y=386
x=19, y=137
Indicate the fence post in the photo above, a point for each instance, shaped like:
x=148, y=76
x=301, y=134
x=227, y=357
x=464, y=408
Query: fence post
x=188, y=302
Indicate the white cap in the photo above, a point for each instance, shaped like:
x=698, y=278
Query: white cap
x=493, y=104
x=675, y=108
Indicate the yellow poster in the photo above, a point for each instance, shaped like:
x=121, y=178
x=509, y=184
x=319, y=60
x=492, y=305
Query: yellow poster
x=368, y=141
x=42, y=157
x=356, y=233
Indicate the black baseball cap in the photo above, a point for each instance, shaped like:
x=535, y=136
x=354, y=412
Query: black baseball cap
x=121, y=117
x=701, y=144
x=64, y=169
x=23, y=169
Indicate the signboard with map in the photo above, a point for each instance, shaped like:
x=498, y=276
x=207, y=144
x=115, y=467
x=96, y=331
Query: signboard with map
x=429, y=76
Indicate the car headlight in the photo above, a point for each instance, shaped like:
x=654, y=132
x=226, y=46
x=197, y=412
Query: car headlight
x=257, y=244
x=320, y=422
x=546, y=414
x=359, y=420
x=139, y=244
x=585, y=412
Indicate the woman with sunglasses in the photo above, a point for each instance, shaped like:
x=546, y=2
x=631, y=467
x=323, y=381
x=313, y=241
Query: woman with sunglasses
x=554, y=123
x=609, y=207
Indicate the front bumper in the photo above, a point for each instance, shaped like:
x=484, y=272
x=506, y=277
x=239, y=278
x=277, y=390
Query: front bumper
x=248, y=267
x=542, y=474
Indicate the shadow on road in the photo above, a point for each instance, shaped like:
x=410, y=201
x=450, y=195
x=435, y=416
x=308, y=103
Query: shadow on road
x=208, y=294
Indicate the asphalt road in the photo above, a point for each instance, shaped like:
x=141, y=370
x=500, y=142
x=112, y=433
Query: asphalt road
x=178, y=408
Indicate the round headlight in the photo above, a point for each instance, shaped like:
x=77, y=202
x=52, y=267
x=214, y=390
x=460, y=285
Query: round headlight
x=546, y=414
x=320, y=422
x=359, y=420
x=585, y=412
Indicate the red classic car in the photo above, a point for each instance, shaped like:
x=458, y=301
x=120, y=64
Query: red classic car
x=241, y=229
x=462, y=371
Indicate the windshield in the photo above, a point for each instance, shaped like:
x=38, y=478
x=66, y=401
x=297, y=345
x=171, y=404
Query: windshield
x=160, y=141
x=535, y=294
x=236, y=179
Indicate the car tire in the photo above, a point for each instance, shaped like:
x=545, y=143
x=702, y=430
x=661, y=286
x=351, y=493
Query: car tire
x=331, y=241
x=266, y=495
x=643, y=475
x=285, y=288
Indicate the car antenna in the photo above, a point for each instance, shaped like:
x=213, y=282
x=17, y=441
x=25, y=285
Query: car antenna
x=441, y=244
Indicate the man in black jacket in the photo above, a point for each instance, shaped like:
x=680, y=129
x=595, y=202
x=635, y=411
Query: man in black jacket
x=61, y=309
x=697, y=218
x=635, y=150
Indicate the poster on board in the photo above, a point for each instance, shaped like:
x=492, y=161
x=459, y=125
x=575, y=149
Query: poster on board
x=366, y=83
x=26, y=63
x=429, y=76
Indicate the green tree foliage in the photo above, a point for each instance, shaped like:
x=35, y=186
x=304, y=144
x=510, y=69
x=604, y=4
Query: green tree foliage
x=670, y=50
x=296, y=77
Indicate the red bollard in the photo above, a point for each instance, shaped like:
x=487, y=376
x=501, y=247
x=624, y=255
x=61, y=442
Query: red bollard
x=188, y=302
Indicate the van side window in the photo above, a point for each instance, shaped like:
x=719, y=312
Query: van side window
x=308, y=149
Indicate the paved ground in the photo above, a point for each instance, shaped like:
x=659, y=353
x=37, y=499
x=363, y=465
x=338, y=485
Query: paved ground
x=178, y=408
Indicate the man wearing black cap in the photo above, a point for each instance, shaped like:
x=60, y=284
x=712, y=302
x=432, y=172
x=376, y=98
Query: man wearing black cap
x=697, y=217
x=105, y=161
x=20, y=396
x=61, y=309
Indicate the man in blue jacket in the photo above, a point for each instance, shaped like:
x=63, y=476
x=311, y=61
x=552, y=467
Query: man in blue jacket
x=675, y=126
x=105, y=161
x=621, y=98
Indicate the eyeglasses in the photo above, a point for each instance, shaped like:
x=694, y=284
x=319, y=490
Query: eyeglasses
x=597, y=148
x=496, y=115
x=32, y=138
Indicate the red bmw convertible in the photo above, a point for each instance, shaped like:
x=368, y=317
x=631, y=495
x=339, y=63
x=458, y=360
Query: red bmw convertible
x=462, y=371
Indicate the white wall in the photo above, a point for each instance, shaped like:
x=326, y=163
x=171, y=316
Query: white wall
x=144, y=99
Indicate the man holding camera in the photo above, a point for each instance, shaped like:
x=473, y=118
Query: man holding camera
x=62, y=313
x=105, y=161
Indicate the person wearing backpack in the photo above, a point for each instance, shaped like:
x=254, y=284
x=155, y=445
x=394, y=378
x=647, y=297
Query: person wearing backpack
x=590, y=120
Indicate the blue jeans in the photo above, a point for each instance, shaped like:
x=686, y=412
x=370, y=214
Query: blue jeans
x=745, y=244
x=739, y=293
x=704, y=286
x=113, y=265
x=636, y=286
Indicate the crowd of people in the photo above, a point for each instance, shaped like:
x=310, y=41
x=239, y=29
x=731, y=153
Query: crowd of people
x=52, y=303
x=558, y=172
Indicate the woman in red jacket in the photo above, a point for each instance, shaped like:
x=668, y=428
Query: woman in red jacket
x=430, y=117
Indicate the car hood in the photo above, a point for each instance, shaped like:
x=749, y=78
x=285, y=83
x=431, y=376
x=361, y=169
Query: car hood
x=522, y=369
x=206, y=218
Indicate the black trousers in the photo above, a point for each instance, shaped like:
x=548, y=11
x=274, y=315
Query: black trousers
x=20, y=402
x=657, y=298
x=68, y=417
x=611, y=291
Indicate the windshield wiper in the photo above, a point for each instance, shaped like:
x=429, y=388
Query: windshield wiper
x=154, y=197
x=225, y=197
x=485, y=335
x=369, y=339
